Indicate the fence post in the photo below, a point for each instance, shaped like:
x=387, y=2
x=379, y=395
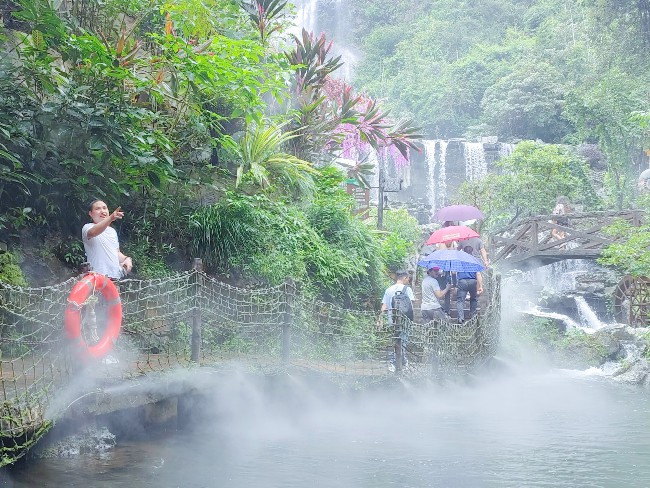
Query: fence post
x=287, y=319
x=197, y=266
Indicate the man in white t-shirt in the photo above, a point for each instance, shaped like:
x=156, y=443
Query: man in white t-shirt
x=101, y=243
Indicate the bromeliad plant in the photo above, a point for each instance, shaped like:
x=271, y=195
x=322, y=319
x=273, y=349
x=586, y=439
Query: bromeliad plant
x=260, y=157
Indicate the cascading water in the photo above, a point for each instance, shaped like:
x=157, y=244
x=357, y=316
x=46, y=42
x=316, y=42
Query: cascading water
x=558, y=277
x=306, y=15
x=568, y=321
x=435, y=154
x=588, y=318
x=475, y=162
x=335, y=23
x=506, y=149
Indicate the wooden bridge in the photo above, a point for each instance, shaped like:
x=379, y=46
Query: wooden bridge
x=530, y=243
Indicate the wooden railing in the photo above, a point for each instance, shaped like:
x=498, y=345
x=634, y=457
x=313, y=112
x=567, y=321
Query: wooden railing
x=530, y=243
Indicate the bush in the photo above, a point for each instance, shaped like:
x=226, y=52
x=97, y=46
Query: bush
x=10, y=272
x=323, y=246
x=399, y=241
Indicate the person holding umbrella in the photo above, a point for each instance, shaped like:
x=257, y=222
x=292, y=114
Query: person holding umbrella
x=431, y=292
x=468, y=282
x=478, y=248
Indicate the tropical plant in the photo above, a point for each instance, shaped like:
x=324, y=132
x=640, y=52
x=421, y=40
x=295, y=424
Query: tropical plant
x=259, y=156
x=266, y=16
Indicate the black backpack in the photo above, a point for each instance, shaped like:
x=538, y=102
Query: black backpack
x=402, y=303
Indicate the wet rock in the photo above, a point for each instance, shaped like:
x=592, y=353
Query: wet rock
x=635, y=373
x=90, y=441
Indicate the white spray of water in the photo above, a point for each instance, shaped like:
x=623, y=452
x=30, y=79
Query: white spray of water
x=475, y=162
x=506, y=149
x=568, y=321
x=306, y=15
x=588, y=317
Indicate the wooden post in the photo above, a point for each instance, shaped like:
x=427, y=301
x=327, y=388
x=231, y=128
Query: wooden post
x=287, y=319
x=398, y=320
x=197, y=266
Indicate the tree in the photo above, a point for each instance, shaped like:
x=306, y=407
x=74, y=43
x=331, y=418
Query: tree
x=602, y=113
x=528, y=184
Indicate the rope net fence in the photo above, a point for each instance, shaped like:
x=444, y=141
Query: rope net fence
x=190, y=319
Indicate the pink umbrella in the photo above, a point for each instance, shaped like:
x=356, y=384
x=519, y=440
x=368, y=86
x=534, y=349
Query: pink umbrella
x=451, y=233
x=458, y=212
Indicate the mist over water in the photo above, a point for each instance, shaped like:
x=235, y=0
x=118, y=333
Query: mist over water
x=525, y=425
x=544, y=428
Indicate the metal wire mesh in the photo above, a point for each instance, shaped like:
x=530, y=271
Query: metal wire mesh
x=191, y=319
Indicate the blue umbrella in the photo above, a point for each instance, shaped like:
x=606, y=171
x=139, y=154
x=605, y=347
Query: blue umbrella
x=449, y=260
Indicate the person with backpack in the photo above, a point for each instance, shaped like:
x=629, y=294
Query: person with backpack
x=399, y=297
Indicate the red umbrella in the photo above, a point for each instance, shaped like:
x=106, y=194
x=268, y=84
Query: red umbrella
x=452, y=233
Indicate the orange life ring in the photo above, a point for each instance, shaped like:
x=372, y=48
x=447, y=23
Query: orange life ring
x=80, y=292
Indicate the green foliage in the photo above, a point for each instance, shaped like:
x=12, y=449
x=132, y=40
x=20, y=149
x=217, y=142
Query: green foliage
x=322, y=245
x=602, y=111
x=629, y=254
x=399, y=239
x=70, y=251
x=529, y=182
x=550, y=70
x=571, y=348
x=259, y=156
x=99, y=108
x=10, y=272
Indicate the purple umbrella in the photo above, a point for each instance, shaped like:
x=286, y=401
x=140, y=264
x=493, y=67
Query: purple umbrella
x=458, y=212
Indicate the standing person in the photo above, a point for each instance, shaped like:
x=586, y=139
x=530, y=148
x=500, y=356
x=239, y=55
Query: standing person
x=562, y=207
x=431, y=292
x=478, y=249
x=471, y=283
x=401, y=287
x=101, y=243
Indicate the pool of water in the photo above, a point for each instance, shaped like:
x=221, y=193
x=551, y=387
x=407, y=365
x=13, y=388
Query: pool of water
x=550, y=429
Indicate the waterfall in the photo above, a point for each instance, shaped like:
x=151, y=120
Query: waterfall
x=442, y=174
x=334, y=20
x=306, y=15
x=475, y=162
x=560, y=276
x=506, y=149
x=342, y=42
x=436, y=173
x=568, y=321
x=588, y=317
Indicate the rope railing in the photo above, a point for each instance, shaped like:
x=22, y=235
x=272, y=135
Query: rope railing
x=190, y=319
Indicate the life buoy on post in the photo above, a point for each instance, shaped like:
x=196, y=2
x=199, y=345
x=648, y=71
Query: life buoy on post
x=79, y=294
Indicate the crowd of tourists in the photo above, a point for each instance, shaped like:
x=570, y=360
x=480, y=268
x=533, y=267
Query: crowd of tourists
x=439, y=286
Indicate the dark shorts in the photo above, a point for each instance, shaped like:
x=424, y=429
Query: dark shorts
x=435, y=314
